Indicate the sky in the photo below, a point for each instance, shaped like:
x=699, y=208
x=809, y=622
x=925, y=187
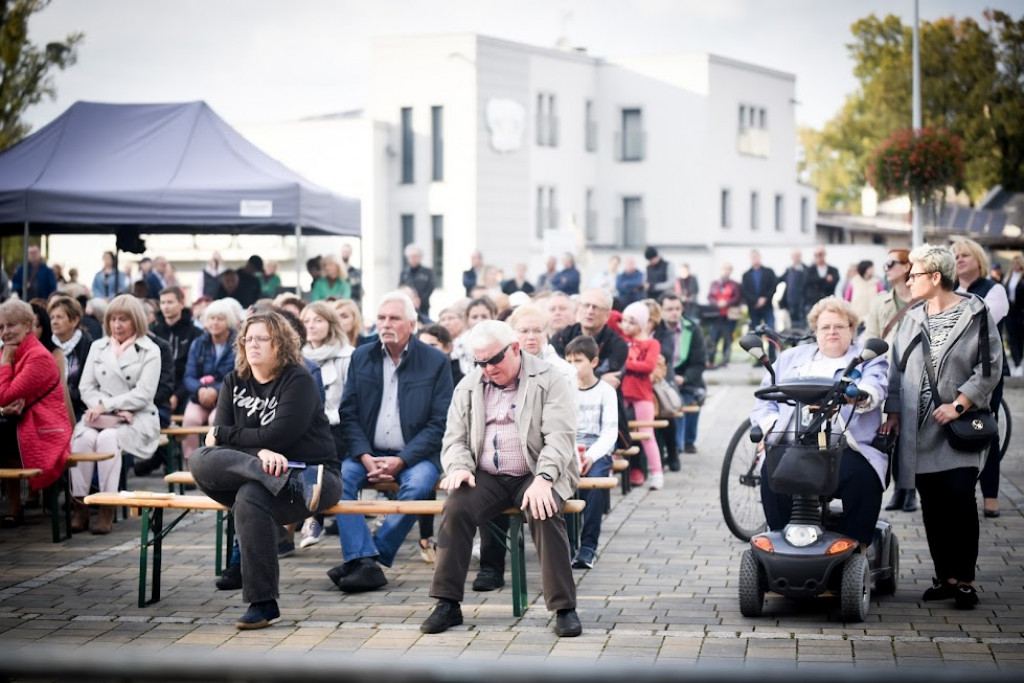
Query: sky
x=271, y=60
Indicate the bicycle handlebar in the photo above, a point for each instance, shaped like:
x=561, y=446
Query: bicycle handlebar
x=763, y=330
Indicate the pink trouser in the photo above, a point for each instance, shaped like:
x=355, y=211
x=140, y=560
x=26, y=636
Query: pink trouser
x=109, y=471
x=644, y=412
x=195, y=415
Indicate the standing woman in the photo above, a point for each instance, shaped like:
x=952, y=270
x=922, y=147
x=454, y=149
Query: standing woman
x=65, y=316
x=210, y=358
x=118, y=384
x=34, y=427
x=271, y=458
x=948, y=325
x=108, y=281
x=1015, y=317
x=637, y=390
x=334, y=281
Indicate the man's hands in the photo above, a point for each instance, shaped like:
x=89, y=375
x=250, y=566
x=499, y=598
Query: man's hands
x=457, y=479
x=538, y=499
x=380, y=469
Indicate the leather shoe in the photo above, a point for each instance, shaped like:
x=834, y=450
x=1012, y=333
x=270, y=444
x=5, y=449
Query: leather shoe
x=567, y=624
x=231, y=579
x=445, y=615
x=991, y=514
x=364, y=576
x=896, y=502
x=488, y=580
x=910, y=502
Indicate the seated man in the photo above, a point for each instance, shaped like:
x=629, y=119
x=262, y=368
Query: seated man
x=392, y=416
x=509, y=442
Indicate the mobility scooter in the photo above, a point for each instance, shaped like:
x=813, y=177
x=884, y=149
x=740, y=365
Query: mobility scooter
x=808, y=557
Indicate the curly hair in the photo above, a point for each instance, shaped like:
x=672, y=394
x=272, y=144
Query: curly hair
x=283, y=339
x=833, y=304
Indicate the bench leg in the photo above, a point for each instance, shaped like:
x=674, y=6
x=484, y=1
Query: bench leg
x=218, y=545
x=225, y=540
x=518, y=558
x=158, y=551
x=51, y=498
x=143, y=556
x=573, y=526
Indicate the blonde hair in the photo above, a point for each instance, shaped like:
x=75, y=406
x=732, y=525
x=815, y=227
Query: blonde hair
x=972, y=248
x=71, y=307
x=527, y=310
x=335, y=335
x=283, y=339
x=655, y=313
x=937, y=259
x=126, y=304
x=17, y=311
x=357, y=319
x=832, y=304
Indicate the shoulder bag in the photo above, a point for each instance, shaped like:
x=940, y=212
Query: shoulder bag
x=971, y=432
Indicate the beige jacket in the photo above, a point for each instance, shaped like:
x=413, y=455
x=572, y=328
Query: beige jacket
x=545, y=414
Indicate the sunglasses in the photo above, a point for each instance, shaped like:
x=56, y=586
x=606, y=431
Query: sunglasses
x=493, y=360
x=892, y=262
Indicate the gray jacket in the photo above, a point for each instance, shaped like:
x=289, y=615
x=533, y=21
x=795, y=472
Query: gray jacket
x=545, y=415
x=923, y=448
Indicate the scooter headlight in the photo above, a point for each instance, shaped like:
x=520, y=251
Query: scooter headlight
x=801, y=535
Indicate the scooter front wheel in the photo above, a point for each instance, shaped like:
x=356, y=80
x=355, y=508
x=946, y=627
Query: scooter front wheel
x=855, y=592
x=751, y=586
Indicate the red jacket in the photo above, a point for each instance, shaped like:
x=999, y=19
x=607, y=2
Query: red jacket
x=44, y=432
x=640, y=363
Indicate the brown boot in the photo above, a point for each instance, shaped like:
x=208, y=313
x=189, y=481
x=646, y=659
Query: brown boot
x=79, y=516
x=104, y=520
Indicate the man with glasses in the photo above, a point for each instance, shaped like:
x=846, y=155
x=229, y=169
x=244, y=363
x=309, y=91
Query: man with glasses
x=393, y=414
x=821, y=279
x=594, y=308
x=509, y=442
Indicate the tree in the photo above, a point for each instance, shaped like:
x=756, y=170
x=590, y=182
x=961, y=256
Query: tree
x=972, y=84
x=25, y=69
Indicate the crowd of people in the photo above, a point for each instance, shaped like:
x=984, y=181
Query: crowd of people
x=307, y=403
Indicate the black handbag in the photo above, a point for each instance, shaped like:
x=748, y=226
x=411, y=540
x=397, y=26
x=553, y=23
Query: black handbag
x=807, y=470
x=971, y=432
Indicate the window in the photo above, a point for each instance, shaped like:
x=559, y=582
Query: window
x=780, y=218
x=632, y=137
x=552, y=208
x=408, y=145
x=437, y=233
x=590, y=219
x=547, y=209
x=590, y=131
x=633, y=227
x=542, y=134
x=726, y=209
x=408, y=234
x=754, y=218
x=753, y=138
x=743, y=117
x=762, y=119
x=552, y=122
x=437, y=139
x=547, y=120
x=804, y=214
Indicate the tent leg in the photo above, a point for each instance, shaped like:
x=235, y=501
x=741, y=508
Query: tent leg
x=24, y=265
x=298, y=260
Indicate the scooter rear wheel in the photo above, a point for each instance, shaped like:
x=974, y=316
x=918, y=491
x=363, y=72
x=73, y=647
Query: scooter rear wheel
x=887, y=585
x=855, y=592
x=751, y=586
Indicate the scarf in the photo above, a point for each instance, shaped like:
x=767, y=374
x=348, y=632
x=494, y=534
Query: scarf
x=321, y=354
x=68, y=346
x=121, y=348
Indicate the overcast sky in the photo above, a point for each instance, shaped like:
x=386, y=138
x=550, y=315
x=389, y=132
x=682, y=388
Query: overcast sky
x=268, y=60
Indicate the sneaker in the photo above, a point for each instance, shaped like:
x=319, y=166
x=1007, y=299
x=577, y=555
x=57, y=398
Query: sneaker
x=584, y=559
x=636, y=477
x=940, y=590
x=428, y=550
x=476, y=550
x=312, y=532
x=307, y=484
x=445, y=615
x=285, y=548
x=657, y=481
x=231, y=579
x=966, y=597
x=259, y=615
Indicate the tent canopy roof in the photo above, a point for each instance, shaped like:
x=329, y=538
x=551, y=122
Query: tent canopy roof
x=163, y=168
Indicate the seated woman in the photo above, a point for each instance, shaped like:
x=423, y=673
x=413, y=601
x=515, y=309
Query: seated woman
x=34, y=427
x=118, y=384
x=210, y=358
x=271, y=457
x=863, y=467
x=65, y=317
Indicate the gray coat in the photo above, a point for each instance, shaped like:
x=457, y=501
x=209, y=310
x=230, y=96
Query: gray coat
x=925, y=450
x=129, y=383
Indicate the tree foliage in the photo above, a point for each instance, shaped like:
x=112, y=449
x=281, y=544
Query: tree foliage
x=26, y=70
x=972, y=84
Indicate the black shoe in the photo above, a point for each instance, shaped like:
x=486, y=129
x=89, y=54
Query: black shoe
x=259, y=615
x=231, y=579
x=144, y=467
x=896, y=502
x=567, y=624
x=910, y=502
x=365, y=575
x=690, y=448
x=445, y=615
x=285, y=548
x=991, y=514
x=966, y=596
x=488, y=580
x=674, y=465
x=940, y=590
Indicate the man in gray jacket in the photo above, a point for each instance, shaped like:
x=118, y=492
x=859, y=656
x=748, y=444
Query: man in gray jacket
x=509, y=442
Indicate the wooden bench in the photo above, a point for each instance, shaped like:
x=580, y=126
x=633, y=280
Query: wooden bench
x=652, y=424
x=154, y=531
x=175, y=434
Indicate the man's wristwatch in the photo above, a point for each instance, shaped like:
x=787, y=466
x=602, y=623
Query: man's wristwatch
x=959, y=408
x=546, y=477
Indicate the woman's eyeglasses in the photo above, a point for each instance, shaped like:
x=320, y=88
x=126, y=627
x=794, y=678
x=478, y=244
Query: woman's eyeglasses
x=493, y=360
x=255, y=341
x=892, y=262
x=913, y=276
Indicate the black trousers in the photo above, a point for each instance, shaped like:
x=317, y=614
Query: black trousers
x=989, y=478
x=859, y=488
x=950, y=513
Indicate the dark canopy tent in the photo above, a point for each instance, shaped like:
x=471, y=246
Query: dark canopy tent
x=171, y=168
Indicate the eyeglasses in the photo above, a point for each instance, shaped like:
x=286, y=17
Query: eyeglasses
x=892, y=262
x=255, y=341
x=532, y=331
x=493, y=360
x=596, y=307
x=836, y=328
x=912, y=276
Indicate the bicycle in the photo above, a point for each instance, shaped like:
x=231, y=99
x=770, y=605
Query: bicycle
x=740, y=484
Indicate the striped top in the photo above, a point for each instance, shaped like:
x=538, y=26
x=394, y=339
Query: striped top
x=939, y=327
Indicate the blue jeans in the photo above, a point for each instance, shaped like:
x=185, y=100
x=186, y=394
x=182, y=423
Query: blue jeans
x=415, y=483
x=594, y=512
x=686, y=426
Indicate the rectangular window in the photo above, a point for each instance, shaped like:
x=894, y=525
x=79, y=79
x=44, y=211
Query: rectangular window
x=590, y=131
x=542, y=213
x=780, y=218
x=437, y=138
x=590, y=225
x=632, y=135
x=633, y=227
x=542, y=119
x=552, y=208
x=408, y=234
x=552, y=122
x=743, y=117
x=754, y=218
x=437, y=233
x=804, y=214
x=762, y=116
x=726, y=209
x=408, y=145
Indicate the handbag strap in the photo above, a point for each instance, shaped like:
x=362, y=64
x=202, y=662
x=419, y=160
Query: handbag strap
x=899, y=316
x=41, y=396
x=927, y=351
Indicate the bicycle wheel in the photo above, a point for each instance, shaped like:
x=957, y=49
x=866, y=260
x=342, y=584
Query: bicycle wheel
x=1005, y=426
x=740, y=490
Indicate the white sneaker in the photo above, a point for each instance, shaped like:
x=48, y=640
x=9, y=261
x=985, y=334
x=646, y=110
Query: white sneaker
x=312, y=532
x=476, y=550
x=656, y=481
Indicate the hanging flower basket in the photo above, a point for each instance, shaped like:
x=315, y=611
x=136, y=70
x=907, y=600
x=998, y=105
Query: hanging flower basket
x=921, y=166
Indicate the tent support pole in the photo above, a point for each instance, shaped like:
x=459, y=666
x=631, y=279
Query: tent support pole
x=24, y=265
x=298, y=260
